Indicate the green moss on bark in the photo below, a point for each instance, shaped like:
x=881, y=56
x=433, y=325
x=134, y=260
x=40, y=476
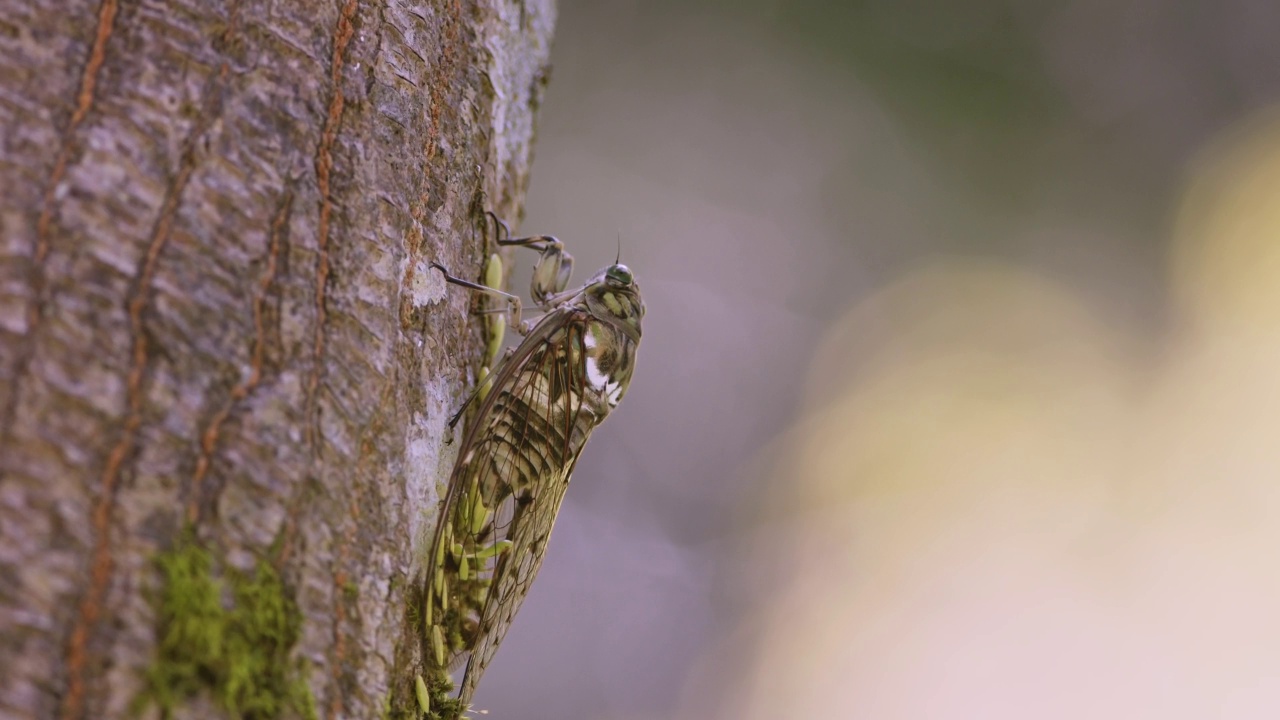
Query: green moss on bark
x=228, y=636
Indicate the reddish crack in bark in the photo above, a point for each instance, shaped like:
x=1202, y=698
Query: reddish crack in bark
x=101, y=561
x=209, y=439
x=44, y=224
x=324, y=170
x=343, y=32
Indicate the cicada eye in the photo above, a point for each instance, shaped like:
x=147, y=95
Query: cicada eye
x=619, y=275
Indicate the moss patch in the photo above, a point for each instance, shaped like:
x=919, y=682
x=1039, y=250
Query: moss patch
x=238, y=653
x=443, y=705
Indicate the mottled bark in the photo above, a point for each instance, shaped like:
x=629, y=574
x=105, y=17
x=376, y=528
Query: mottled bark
x=217, y=330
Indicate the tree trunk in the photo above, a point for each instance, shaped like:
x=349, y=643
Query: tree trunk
x=225, y=370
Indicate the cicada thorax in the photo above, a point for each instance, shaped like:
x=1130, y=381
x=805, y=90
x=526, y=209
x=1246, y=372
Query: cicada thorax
x=518, y=453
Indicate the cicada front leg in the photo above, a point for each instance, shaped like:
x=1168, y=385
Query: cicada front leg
x=551, y=272
x=513, y=301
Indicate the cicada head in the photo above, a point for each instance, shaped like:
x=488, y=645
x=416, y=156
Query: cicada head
x=614, y=297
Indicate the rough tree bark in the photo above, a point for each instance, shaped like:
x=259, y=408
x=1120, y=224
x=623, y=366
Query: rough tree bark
x=224, y=368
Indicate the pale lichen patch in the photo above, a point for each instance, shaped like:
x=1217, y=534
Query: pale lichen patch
x=427, y=285
x=429, y=459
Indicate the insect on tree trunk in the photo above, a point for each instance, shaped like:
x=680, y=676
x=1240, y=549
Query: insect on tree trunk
x=225, y=370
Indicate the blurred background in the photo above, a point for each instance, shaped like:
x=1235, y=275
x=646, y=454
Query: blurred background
x=959, y=395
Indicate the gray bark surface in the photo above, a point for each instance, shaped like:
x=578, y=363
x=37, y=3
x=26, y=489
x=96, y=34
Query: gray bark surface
x=216, y=316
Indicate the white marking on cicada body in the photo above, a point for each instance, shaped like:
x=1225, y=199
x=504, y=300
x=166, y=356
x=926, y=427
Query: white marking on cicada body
x=604, y=384
x=598, y=380
x=613, y=391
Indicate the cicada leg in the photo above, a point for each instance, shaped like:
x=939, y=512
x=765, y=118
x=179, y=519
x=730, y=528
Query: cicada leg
x=481, y=390
x=551, y=272
x=550, y=277
x=513, y=301
x=513, y=309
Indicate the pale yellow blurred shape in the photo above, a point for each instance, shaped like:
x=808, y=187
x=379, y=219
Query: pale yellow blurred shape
x=988, y=410
x=1226, y=250
x=1216, y=404
x=998, y=508
x=1208, y=471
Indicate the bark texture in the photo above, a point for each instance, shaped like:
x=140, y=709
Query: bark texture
x=225, y=370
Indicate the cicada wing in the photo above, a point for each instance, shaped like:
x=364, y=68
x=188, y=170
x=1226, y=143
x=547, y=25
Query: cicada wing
x=505, y=493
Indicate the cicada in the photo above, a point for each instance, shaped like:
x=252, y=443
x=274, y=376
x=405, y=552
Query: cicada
x=518, y=452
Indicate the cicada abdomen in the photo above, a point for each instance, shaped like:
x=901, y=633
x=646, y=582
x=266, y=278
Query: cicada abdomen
x=518, y=453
